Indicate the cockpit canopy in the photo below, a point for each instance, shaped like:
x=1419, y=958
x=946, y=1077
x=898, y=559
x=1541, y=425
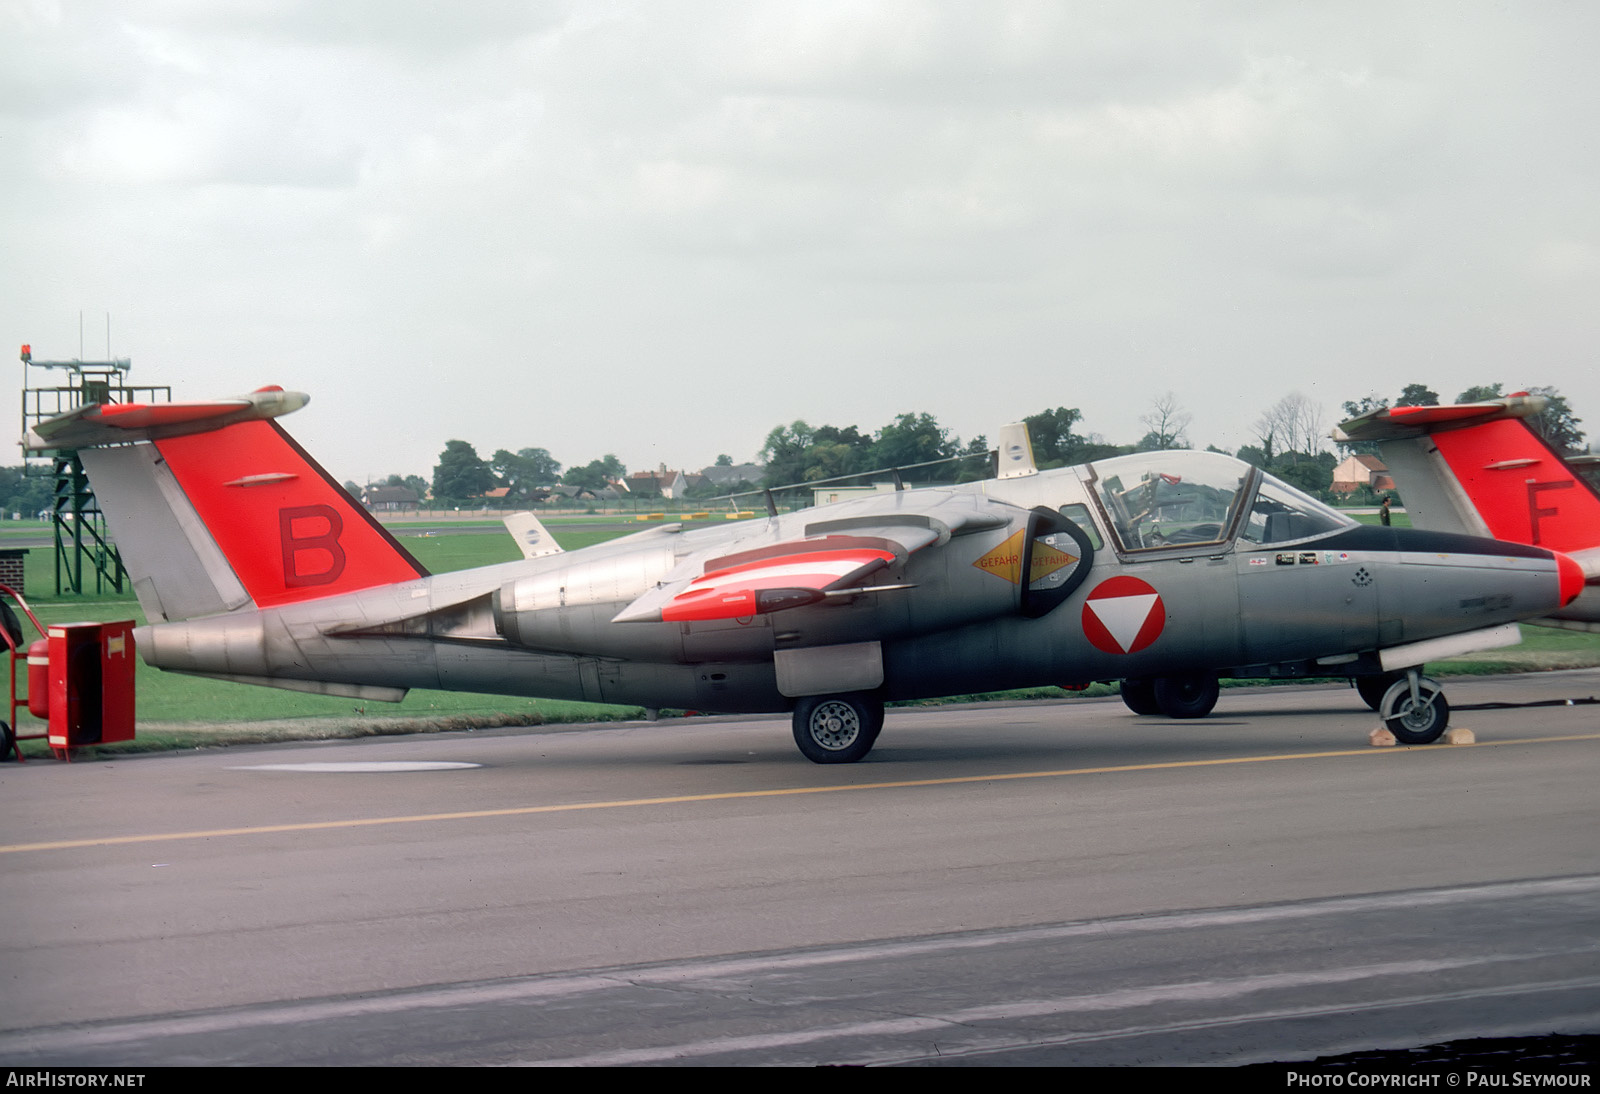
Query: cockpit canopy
x=1161, y=500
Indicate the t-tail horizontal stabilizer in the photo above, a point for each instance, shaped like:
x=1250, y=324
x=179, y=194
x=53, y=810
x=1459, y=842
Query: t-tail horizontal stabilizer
x=119, y=423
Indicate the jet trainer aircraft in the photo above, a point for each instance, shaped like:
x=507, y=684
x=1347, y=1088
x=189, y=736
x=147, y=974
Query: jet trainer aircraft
x=1164, y=570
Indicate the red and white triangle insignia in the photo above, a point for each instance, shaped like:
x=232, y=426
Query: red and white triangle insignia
x=1124, y=616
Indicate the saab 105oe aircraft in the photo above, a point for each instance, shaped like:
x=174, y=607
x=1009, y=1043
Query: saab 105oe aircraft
x=1163, y=570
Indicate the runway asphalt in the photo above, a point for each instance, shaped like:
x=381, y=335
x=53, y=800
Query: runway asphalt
x=1033, y=883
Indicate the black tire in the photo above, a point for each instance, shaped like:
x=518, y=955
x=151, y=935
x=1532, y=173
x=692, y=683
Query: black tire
x=13, y=627
x=8, y=743
x=837, y=729
x=1139, y=696
x=1189, y=696
x=1372, y=689
x=1412, y=722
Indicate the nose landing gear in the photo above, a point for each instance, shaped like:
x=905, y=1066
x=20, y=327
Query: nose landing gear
x=1414, y=709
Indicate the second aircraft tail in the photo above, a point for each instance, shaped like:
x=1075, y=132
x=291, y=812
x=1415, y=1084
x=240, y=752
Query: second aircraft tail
x=1478, y=468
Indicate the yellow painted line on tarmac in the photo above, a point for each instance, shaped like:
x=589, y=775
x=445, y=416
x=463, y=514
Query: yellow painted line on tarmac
x=633, y=803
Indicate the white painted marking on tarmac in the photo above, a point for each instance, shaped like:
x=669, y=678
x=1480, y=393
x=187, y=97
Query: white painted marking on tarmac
x=1021, y=1010
x=535, y=989
x=1343, y=1009
x=362, y=766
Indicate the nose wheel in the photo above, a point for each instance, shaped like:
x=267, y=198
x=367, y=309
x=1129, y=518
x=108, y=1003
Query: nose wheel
x=837, y=729
x=1414, y=710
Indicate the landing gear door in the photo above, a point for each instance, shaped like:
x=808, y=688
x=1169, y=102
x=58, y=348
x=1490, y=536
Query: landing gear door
x=1056, y=558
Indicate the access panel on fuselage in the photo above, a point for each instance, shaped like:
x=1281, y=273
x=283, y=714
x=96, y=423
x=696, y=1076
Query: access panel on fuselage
x=1298, y=602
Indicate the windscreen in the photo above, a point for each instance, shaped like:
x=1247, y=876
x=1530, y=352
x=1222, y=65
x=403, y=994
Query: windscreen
x=1155, y=500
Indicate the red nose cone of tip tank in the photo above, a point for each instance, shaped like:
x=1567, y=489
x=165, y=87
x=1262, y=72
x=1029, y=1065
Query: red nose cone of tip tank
x=1571, y=578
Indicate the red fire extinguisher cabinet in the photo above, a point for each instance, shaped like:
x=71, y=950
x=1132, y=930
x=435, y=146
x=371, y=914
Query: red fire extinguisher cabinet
x=91, y=683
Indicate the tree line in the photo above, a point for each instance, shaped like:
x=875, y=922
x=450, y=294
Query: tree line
x=1290, y=441
x=462, y=474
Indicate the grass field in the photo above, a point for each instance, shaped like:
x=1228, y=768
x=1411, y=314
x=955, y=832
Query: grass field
x=173, y=708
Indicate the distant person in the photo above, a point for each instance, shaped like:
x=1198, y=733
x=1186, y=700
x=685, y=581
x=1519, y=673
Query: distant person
x=1383, y=513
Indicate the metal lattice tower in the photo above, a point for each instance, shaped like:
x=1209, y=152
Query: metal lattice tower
x=84, y=550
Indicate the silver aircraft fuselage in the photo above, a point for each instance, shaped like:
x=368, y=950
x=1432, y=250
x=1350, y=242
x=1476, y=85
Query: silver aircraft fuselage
x=1148, y=565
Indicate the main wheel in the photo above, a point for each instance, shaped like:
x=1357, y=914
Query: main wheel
x=8, y=743
x=1372, y=689
x=1189, y=696
x=1419, y=721
x=1139, y=696
x=837, y=729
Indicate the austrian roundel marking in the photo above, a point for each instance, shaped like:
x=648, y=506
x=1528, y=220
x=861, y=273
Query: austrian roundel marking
x=1123, y=615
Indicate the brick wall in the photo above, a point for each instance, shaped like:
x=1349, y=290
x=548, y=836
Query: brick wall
x=11, y=568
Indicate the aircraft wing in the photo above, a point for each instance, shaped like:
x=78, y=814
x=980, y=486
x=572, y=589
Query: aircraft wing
x=834, y=556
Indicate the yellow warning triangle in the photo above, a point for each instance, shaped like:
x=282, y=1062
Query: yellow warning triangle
x=1006, y=560
x=1047, y=560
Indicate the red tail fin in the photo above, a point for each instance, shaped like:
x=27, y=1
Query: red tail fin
x=1521, y=487
x=287, y=529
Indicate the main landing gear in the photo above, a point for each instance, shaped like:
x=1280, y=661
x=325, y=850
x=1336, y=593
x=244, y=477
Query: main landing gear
x=837, y=729
x=1190, y=695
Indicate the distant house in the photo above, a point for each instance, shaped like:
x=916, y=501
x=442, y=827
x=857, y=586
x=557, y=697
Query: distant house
x=659, y=483
x=581, y=493
x=390, y=499
x=1359, y=471
x=729, y=477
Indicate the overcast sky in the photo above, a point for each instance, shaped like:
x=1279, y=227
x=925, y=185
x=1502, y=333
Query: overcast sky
x=660, y=229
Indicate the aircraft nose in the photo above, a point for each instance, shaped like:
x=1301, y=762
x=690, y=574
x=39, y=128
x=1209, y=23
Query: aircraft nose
x=1571, y=575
